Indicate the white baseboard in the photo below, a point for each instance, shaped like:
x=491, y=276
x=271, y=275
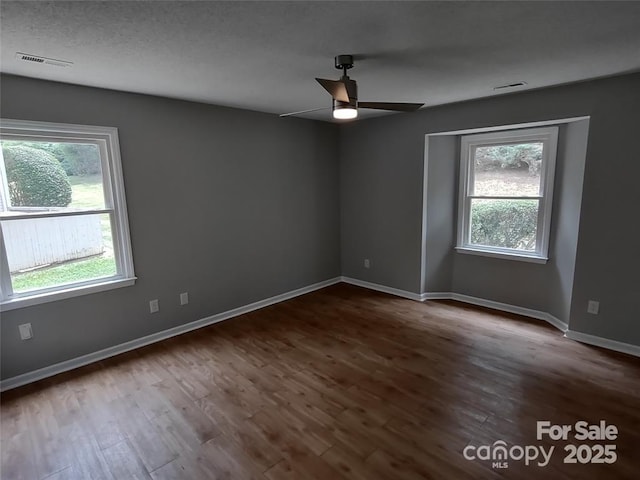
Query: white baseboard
x=505, y=307
x=83, y=360
x=603, y=342
x=437, y=296
x=382, y=288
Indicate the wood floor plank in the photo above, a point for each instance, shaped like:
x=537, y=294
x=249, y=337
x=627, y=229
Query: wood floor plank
x=143, y=436
x=183, y=467
x=228, y=461
x=124, y=462
x=281, y=471
x=17, y=460
x=349, y=463
x=88, y=459
x=101, y=418
x=51, y=452
x=342, y=383
x=250, y=439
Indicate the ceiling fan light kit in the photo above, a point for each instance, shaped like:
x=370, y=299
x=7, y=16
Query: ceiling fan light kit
x=344, y=93
x=344, y=110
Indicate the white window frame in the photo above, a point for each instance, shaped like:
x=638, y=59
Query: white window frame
x=106, y=138
x=549, y=137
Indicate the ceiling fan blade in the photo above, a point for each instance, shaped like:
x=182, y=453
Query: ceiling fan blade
x=336, y=88
x=399, y=107
x=303, y=111
x=352, y=89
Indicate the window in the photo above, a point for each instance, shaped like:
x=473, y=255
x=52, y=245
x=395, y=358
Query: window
x=63, y=218
x=506, y=187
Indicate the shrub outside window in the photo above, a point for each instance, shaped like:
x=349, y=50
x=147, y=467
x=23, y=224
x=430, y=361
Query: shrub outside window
x=506, y=191
x=63, y=221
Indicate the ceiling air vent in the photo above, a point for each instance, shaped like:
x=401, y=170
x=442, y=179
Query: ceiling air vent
x=27, y=57
x=511, y=85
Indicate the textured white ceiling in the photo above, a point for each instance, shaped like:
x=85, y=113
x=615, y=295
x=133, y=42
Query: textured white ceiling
x=264, y=55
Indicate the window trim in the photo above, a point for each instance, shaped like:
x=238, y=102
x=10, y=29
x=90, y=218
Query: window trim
x=549, y=137
x=115, y=204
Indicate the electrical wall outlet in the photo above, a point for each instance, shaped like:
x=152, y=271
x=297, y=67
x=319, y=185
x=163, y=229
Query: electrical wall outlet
x=593, y=307
x=184, y=298
x=25, y=331
x=367, y=263
x=154, y=306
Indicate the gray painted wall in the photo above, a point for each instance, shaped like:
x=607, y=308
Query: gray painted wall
x=381, y=201
x=608, y=259
x=442, y=202
x=565, y=221
x=232, y=206
x=381, y=184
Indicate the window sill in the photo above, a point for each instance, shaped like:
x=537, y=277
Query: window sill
x=77, y=291
x=506, y=256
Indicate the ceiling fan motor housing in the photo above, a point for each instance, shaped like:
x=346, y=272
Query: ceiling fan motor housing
x=344, y=62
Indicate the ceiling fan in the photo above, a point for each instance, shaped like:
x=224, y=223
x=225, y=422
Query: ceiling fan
x=344, y=93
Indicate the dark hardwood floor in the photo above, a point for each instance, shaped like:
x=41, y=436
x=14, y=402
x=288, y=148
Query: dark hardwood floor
x=342, y=383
